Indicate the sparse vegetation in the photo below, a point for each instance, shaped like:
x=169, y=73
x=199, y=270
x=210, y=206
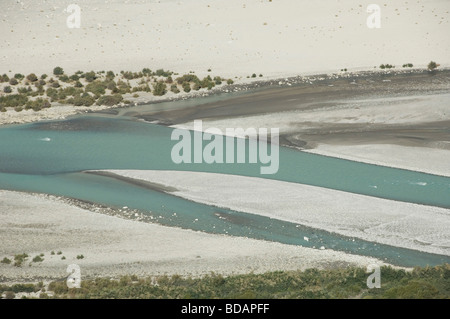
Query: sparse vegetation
x=386, y=66
x=58, y=71
x=432, y=65
x=38, y=259
x=88, y=88
x=110, y=100
x=159, y=88
x=427, y=282
x=19, y=259
x=6, y=261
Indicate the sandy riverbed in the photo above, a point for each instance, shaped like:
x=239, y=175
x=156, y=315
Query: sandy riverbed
x=113, y=246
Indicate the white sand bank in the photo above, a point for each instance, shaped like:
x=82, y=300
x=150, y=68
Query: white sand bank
x=113, y=246
x=422, y=159
x=390, y=222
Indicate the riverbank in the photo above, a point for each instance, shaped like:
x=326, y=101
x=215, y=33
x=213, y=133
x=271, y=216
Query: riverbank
x=113, y=245
x=407, y=225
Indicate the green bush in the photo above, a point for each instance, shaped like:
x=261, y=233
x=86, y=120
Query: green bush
x=254, y=75
x=4, y=78
x=32, y=77
x=217, y=80
x=80, y=257
x=109, y=100
x=159, y=88
x=55, y=84
x=13, y=100
x=6, y=261
x=19, y=76
x=407, y=65
x=186, y=87
x=161, y=72
x=38, y=104
x=58, y=71
x=13, y=81
x=19, y=259
x=432, y=65
x=81, y=100
x=230, y=81
x=74, y=77
x=7, y=89
x=97, y=87
x=174, y=89
x=64, y=78
x=43, y=76
x=38, y=259
x=110, y=75
x=188, y=78
x=90, y=76
x=78, y=84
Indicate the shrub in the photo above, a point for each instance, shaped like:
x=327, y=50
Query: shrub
x=37, y=105
x=186, y=87
x=218, y=80
x=174, y=89
x=32, y=77
x=78, y=84
x=90, y=76
x=432, y=65
x=196, y=86
x=19, y=76
x=19, y=259
x=64, y=78
x=161, y=72
x=13, y=81
x=254, y=75
x=108, y=100
x=55, y=84
x=188, y=78
x=7, y=89
x=146, y=71
x=4, y=78
x=38, y=259
x=43, y=76
x=407, y=65
x=59, y=253
x=80, y=257
x=13, y=100
x=230, y=81
x=58, y=71
x=6, y=261
x=159, y=88
x=97, y=87
x=110, y=75
x=81, y=100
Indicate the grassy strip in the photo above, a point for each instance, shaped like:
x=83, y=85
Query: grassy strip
x=428, y=282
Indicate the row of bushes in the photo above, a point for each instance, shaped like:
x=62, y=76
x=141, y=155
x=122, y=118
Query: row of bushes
x=426, y=282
